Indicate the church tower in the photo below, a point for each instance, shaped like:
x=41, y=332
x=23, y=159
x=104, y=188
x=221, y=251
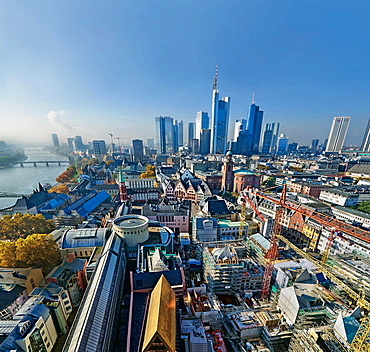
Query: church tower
x=228, y=173
x=122, y=186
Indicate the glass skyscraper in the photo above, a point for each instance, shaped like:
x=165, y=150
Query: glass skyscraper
x=169, y=134
x=191, y=131
x=219, y=120
x=270, y=137
x=254, y=125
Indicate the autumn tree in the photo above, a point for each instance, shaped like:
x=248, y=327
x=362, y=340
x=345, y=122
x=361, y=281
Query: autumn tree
x=68, y=175
x=59, y=189
x=37, y=250
x=149, y=172
x=21, y=225
x=8, y=257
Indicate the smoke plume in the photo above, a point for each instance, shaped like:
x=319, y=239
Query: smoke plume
x=57, y=120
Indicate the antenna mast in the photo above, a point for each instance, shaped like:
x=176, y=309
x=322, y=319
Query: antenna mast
x=215, y=79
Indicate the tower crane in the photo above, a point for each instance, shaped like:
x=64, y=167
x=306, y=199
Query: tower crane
x=361, y=341
x=272, y=252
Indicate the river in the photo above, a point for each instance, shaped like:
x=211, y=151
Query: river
x=23, y=180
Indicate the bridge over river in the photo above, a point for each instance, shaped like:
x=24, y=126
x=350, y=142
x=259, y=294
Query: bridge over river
x=43, y=162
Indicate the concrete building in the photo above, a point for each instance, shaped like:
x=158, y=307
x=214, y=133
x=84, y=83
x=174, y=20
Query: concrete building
x=12, y=298
x=336, y=196
x=55, y=139
x=337, y=134
x=244, y=178
x=27, y=277
x=137, y=149
x=224, y=272
x=100, y=148
x=175, y=216
x=204, y=229
x=31, y=329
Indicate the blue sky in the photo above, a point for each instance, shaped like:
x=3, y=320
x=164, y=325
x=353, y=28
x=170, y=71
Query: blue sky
x=112, y=66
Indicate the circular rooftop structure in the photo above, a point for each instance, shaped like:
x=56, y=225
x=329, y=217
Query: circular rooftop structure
x=244, y=172
x=133, y=228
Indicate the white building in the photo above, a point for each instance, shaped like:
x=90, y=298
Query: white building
x=337, y=133
x=336, y=196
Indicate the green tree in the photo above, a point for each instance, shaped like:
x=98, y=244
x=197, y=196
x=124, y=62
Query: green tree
x=149, y=172
x=270, y=182
x=21, y=225
x=37, y=250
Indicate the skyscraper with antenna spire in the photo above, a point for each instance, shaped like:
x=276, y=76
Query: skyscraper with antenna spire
x=219, y=119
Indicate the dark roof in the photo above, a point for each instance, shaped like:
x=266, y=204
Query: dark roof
x=216, y=207
x=7, y=297
x=139, y=304
x=143, y=281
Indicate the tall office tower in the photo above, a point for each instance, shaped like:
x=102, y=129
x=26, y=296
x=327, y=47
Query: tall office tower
x=283, y=143
x=240, y=125
x=70, y=143
x=180, y=139
x=191, y=131
x=137, y=149
x=78, y=143
x=194, y=146
x=55, y=139
x=365, y=146
x=270, y=137
x=254, y=126
x=219, y=120
x=165, y=141
x=337, y=133
x=205, y=141
x=315, y=144
x=175, y=137
x=201, y=122
x=150, y=142
x=100, y=147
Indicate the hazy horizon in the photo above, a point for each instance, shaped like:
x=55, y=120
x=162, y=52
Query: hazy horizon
x=89, y=70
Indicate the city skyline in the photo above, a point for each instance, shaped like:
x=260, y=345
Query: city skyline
x=81, y=77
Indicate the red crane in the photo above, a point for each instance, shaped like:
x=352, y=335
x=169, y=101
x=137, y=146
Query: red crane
x=272, y=252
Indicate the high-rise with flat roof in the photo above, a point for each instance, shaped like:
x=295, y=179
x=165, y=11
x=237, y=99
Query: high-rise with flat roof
x=240, y=126
x=100, y=148
x=165, y=134
x=338, y=133
x=270, y=137
x=201, y=122
x=204, y=141
x=55, y=139
x=365, y=146
x=78, y=143
x=191, y=131
x=219, y=120
x=137, y=149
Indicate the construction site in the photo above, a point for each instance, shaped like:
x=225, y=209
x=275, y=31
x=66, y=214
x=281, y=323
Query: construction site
x=272, y=293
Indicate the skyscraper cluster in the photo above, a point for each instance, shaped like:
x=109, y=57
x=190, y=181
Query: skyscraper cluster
x=169, y=134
